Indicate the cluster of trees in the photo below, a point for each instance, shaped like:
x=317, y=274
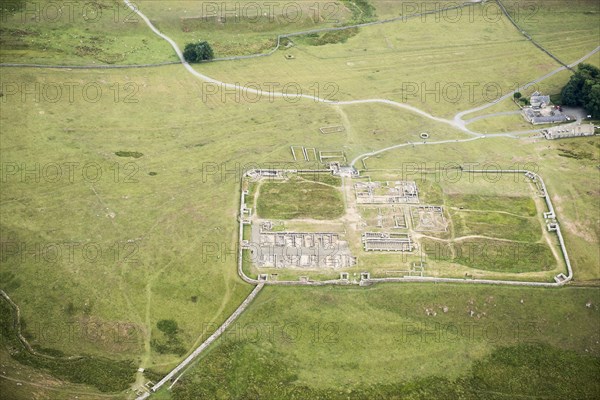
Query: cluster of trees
x=519, y=97
x=583, y=90
x=198, y=52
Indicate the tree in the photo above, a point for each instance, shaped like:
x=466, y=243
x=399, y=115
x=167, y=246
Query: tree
x=583, y=90
x=517, y=95
x=198, y=52
x=592, y=101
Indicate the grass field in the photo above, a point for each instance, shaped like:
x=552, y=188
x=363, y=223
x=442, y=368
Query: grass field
x=132, y=211
x=369, y=65
x=102, y=32
x=522, y=205
x=155, y=281
x=567, y=29
x=242, y=27
x=296, y=198
x=301, y=345
x=501, y=124
x=326, y=178
x=119, y=200
x=509, y=213
x=491, y=255
x=494, y=224
x=106, y=32
x=128, y=207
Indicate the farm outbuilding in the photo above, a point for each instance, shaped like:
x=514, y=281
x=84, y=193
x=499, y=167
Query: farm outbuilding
x=539, y=100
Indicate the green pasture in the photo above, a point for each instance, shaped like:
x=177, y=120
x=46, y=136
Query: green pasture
x=299, y=199
x=317, y=342
x=119, y=194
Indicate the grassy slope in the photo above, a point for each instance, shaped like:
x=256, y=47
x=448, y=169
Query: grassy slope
x=382, y=61
x=160, y=140
x=242, y=31
x=106, y=32
x=137, y=206
x=383, y=335
x=37, y=383
x=151, y=208
x=103, y=374
x=103, y=32
x=170, y=268
x=568, y=29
